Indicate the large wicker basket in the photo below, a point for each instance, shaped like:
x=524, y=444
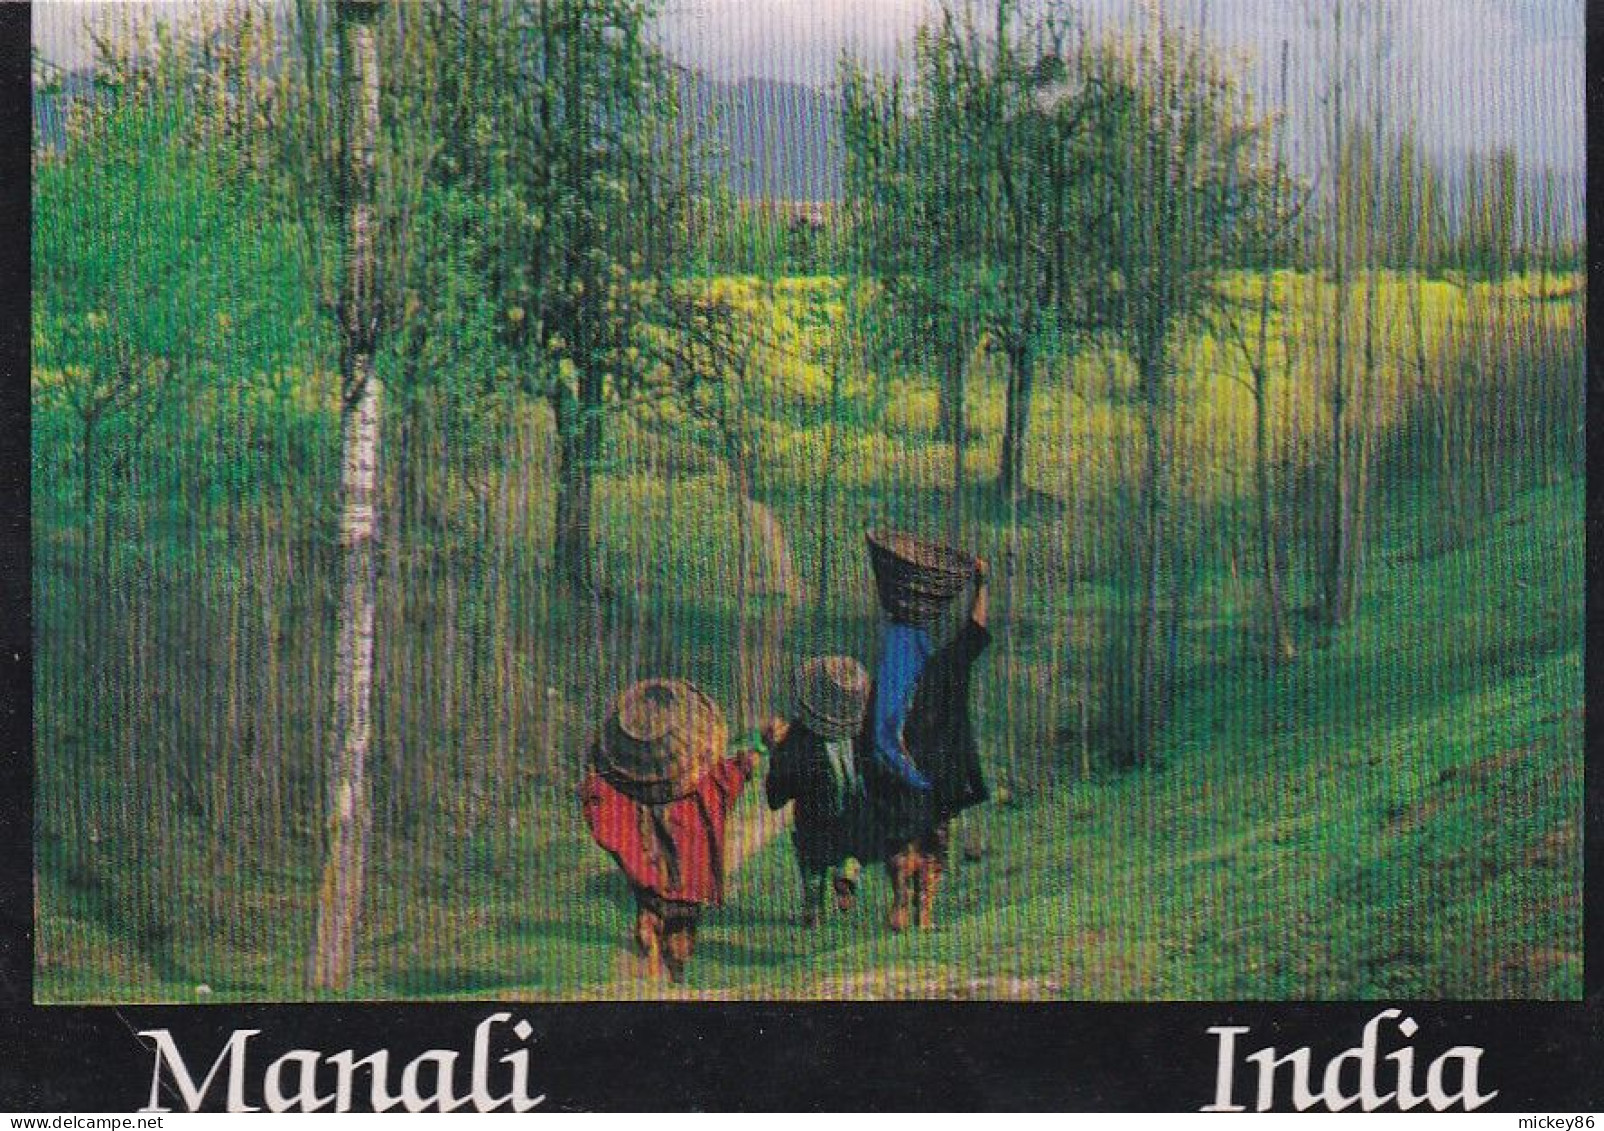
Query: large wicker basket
x=831, y=696
x=660, y=739
x=915, y=577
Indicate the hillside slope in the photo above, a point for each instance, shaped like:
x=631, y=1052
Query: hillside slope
x=1397, y=815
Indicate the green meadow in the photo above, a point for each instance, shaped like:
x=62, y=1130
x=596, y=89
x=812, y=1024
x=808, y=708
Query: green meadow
x=1279, y=475
x=1397, y=812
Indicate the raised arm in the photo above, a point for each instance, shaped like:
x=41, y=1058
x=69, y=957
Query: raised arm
x=780, y=785
x=977, y=607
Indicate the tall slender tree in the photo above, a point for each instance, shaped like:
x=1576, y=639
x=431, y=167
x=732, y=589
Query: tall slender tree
x=1352, y=172
x=1253, y=343
x=1188, y=192
x=914, y=236
x=350, y=815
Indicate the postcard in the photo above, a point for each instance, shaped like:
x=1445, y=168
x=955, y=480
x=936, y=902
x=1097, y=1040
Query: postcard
x=749, y=555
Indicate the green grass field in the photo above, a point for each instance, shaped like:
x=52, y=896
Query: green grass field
x=1396, y=813
x=1393, y=816
x=1383, y=805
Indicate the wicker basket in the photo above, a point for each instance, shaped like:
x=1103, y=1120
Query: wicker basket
x=660, y=739
x=915, y=577
x=832, y=696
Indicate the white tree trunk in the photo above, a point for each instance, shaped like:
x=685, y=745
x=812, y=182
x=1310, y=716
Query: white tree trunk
x=349, y=819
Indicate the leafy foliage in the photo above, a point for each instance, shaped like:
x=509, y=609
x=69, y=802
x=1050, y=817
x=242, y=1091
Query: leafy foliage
x=545, y=287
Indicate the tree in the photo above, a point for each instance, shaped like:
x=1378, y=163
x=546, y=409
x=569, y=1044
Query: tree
x=115, y=322
x=1187, y=190
x=111, y=321
x=1420, y=238
x=560, y=134
x=1492, y=246
x=1353, y=174
x=968, y=188
x=1032, y=114
x=914, y=239
x=1254, y=345
x=169, y=303
x=718, y=386
x=350, y=816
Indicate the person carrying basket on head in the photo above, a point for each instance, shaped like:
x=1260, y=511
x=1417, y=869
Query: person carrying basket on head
x=813, y=761
x=657, y=799
x=926, y=757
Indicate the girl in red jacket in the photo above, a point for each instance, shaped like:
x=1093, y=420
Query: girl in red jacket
x=657, y=800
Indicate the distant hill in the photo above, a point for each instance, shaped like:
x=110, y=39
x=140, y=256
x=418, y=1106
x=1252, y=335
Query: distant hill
x=774, y=140
x=781, y=141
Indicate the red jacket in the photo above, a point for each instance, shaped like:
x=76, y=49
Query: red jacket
x=675, y=851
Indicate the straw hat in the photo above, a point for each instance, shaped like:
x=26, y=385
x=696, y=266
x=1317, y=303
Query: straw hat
x=832, y=694
x=660, y=738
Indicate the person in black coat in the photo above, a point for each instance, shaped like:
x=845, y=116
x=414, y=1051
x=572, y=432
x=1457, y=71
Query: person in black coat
x=814, y=761
x=938, y=737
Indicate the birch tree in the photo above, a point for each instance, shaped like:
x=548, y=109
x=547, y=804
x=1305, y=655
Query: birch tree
x=349, y=814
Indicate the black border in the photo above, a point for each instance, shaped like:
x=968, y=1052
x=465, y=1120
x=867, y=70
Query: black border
x=821, y=1057
x=16, y=632
x=613, y=1056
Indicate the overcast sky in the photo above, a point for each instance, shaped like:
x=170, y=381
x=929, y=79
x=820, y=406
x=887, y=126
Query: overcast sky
x=1473, y=73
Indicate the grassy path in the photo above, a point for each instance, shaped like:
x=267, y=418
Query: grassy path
x=1396, y=815
x=752, y=827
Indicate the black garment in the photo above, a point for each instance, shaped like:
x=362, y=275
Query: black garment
x=799, y=772
x=940, y=738
x=665, y=909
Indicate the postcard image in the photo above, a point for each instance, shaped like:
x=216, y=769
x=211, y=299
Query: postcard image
x=557, y=520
